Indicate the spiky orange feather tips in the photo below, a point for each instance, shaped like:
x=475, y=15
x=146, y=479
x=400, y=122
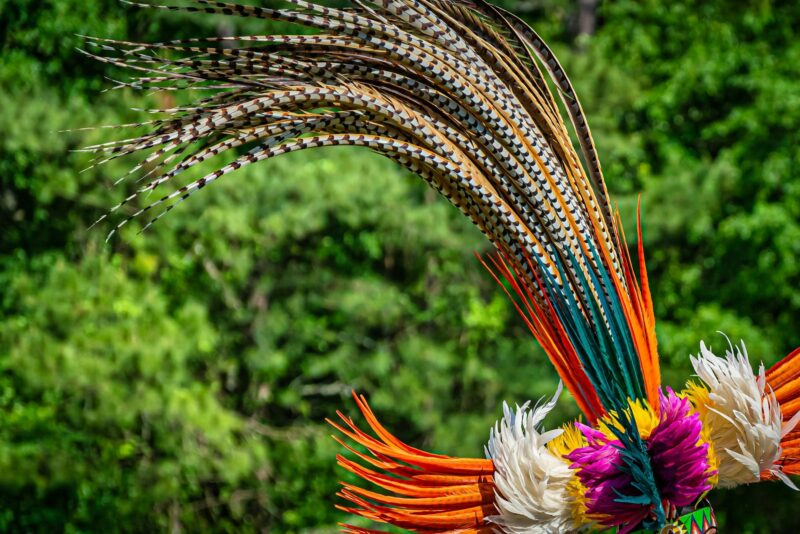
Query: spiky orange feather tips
x=414, y=489
x=784, y=380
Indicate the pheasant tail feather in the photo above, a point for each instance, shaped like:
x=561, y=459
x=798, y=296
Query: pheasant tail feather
x=452, y=91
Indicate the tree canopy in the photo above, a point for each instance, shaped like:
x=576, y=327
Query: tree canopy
x=179, y=379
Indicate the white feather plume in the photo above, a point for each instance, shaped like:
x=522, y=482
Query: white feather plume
x=531, y=482
x=744, y=417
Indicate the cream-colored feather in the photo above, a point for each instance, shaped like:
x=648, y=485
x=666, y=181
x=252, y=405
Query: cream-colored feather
x=743, y=417
x=532, y=495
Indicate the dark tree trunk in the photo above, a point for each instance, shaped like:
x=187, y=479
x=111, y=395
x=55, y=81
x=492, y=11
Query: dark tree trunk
x=587, y=17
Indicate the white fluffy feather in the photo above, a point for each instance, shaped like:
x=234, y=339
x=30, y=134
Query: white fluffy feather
x=744, y=418
x=531, y=482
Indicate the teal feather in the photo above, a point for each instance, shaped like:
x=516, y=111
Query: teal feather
x=598, y=331
x=636, y=463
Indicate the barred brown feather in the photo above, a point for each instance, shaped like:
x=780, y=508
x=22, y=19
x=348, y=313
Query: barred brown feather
x=454, y=91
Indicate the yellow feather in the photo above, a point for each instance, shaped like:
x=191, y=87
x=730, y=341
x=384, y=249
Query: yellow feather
x=698, y=395
x=643, y=414
x=561, y=446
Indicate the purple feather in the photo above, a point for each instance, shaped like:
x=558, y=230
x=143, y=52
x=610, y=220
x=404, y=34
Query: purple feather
x=678, y=459
x=599, y=466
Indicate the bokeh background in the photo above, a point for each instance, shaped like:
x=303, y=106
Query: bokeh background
x=179, y=380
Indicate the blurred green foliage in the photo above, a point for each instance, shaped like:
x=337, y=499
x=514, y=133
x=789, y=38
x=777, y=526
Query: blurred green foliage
x=180, y=379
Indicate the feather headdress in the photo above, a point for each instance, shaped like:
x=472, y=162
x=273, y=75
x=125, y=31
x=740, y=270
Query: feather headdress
x=459, y=93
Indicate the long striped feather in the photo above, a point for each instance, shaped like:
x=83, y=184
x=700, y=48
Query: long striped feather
x=455, y=91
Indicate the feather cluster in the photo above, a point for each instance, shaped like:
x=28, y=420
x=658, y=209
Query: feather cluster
x=601, y=469
x=533, y=484
x=743, y=417
x=459, y=93
x=678, y=454
x=675, y=461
